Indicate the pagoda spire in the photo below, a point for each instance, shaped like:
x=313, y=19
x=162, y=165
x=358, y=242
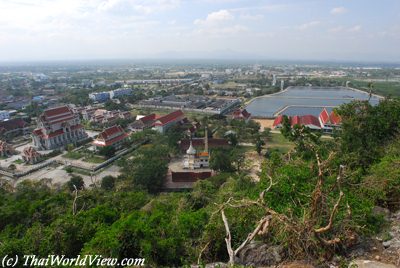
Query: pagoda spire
x=206, y=139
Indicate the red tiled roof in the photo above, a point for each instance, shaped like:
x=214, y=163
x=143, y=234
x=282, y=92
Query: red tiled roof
x=148, y=118
x=38, y=132
x=335, y=118
x=110, y=141
x=299, y=120
x=62, y=119
x=309, y=120
x=169, y=117
x=55, y=133
x=57, y=111
x=108, y=132
x=12, y=124
x=278, y=120
x=76, y=127
x=295, y=120
x=324, y=116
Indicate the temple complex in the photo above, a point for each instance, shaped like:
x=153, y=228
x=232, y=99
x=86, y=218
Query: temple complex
x=58, y=127
x=194, y=160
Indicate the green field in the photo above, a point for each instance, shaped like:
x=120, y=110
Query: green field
x=73, y=155
x=94, y=159
x=277, y=141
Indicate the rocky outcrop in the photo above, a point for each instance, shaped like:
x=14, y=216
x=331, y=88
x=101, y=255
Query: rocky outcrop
x=392, y=244
x=369, y=264
x=259, y=254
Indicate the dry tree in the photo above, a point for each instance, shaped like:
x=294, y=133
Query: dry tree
x=306, y=234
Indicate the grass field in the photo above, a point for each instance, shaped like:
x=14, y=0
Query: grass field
x=73, y=155
x=380, y=87
x=94, y=159
x=277, y=141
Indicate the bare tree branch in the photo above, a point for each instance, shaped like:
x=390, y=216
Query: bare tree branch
x=261, y=228
x=228, y=239
x=201, y=252
x=335, y=208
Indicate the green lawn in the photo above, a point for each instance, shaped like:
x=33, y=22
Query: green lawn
x=73, y=155
x=94, y=159
x=19, y=161
x=277, y=141
x=78, y=171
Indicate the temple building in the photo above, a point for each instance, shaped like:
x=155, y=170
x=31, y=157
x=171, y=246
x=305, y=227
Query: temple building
x=162, y=123
x=31, y=156
x=58, y=127
x=194, y=160
x=113, y=136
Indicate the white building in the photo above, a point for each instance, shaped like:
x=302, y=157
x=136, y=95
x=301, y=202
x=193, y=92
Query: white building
x=194, y=160
x=4, y=115
x=120, y=92
x=99, y=96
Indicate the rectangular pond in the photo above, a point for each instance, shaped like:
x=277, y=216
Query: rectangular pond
x=305, y=100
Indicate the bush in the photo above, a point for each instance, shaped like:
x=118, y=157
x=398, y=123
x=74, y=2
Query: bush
x=76, y=181
x=108, y=182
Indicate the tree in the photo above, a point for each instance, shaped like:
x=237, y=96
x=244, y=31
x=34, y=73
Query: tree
x=108, y=182
x=149, y=167
x=366, y=129
x=259, y=145
x=77, y=181
x=232, y=138
x=70, y=147
x=107, y=151
x=237, y=158
x=221, y=160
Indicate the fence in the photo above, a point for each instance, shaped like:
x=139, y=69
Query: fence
x=15, y=175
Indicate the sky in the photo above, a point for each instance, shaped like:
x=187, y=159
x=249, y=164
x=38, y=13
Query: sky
x=348, y=30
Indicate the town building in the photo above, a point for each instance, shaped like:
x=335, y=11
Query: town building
x=120, y=92
x=4, y=115
x=58, y=127
x=143, y=123
x=241, y=114
x=99, y=96
x=31, y=156
x=104, y=117
x=12, y=128
x=162, y=123
x=199, y=104
x=113, y=136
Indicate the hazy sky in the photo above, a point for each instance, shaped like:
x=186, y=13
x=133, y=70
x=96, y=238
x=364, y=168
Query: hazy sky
x=117, y=29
